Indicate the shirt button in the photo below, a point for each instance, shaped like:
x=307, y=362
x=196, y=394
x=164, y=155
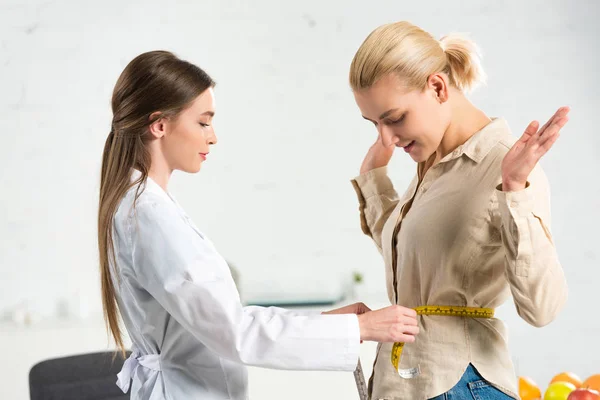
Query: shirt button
x=513, y=204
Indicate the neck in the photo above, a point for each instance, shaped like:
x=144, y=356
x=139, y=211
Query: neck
x=160, y=172
x=466, y=121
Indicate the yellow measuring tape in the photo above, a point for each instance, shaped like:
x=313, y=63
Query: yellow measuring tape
x=449, y=311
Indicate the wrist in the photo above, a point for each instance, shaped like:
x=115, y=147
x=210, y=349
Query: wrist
x=371, y=166
x=508, y=186
x=362, y=325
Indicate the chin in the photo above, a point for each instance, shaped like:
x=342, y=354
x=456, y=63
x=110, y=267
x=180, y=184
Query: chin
x=414, y=158
x=418, y=157
x=421, y=155
x=192, y=169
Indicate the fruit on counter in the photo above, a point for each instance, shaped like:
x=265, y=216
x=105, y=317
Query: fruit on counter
x=593, y=382
x=567, y=377
x=584, y=394
x=528, y=390
x=559, y=391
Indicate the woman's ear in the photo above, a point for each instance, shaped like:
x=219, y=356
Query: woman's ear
x=438, y=83
x=158, y=127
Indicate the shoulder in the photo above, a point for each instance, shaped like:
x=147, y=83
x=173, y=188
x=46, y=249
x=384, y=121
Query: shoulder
x=141, y=203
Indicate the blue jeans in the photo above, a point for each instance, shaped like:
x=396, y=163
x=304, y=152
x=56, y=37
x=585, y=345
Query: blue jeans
x=472, y=386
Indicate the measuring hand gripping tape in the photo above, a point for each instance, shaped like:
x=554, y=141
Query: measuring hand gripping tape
x=449, y=311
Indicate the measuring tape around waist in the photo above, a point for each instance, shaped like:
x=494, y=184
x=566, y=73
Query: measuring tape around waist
x=448, y=311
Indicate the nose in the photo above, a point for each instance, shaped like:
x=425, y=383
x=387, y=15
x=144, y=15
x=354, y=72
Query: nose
x=387, y=136
x=212, y=139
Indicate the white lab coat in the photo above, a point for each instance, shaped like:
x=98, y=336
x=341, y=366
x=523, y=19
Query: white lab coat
x=191, y=335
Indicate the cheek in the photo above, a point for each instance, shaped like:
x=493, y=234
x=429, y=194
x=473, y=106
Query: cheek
x=434, y=136
x=189, y=131
x=191, y=138
x=434, y=124
x=422, y=126
x=185, y=141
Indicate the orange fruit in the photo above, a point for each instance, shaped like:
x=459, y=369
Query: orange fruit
x=593, y=382
x=528, y=390
x=568, y=377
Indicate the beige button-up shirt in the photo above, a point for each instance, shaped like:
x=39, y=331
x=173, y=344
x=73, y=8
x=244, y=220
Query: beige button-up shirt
x=454, y=238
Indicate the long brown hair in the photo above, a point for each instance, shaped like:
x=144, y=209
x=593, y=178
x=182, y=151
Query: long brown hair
x=155, y=81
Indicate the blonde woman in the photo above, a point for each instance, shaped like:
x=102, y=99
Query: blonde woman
x=191, y=336
x=472, y=228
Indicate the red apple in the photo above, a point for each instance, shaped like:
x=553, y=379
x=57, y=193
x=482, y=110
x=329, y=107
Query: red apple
x=584, y=394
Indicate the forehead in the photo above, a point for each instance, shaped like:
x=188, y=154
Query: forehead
x=204, y=102
x=387, y=93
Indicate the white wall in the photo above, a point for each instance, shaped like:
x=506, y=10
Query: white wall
x=275, y=195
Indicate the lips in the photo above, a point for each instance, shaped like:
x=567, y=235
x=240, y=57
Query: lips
x=405, y=145
x=408, y=146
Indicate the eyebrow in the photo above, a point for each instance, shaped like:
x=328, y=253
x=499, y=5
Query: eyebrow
x=384, y=115
x=387, y=113
x=209, y=113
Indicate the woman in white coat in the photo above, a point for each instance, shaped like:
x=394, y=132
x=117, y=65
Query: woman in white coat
x=191, y=336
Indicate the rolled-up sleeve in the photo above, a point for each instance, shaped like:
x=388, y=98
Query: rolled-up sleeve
x=533, y=270
x=377, y=199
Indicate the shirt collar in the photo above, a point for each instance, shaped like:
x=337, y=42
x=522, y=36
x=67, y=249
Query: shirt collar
x=482, y=142
x=151, y=186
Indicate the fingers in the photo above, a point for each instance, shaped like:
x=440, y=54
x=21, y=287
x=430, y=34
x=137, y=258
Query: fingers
x=409, y=312
x=546, y=137
x=411, y=330
x=405, y=339
x=543, y=149
x=556, y=126
x=560, y=113
x=404, y=315
x=408, y=321
x=551, y=135
x=391, y=324
x=405, y=334
x=531, y=130
x=406, y=327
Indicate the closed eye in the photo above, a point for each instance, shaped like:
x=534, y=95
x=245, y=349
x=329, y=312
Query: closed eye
x=399, y=120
